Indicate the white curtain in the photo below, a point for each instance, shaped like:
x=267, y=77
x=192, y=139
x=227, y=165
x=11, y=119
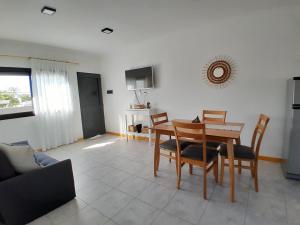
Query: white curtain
x=53, y=99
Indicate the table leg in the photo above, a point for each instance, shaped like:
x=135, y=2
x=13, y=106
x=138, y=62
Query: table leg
x=238, y=142
x=156, y=153
x=149, y=130
x=230, y=153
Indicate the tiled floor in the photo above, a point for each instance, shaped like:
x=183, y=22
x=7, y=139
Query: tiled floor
x=115, y=186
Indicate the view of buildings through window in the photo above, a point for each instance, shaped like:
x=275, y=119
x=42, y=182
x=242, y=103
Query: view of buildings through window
x=15, y=91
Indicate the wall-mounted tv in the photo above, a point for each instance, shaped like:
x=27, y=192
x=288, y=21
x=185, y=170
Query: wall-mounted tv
x=141, y=78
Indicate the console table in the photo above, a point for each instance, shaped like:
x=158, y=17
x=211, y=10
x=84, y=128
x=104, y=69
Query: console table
x=131, y=116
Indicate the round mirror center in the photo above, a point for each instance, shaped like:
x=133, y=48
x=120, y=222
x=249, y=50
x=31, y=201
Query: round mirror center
x=218, y=72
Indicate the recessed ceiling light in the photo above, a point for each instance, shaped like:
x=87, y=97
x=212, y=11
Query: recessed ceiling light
x=107, y=30
x=48, y=10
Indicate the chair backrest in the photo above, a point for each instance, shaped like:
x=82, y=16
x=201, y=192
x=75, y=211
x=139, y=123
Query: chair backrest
x=159, y=118
x=258, y=133
x=191, y=132
x=214, y=116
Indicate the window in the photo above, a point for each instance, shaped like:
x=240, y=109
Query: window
x=15, y=93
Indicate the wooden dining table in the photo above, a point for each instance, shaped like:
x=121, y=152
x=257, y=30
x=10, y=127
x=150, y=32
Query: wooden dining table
x=222, y=132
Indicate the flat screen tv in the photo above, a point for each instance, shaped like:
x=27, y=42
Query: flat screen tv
x=141, y=78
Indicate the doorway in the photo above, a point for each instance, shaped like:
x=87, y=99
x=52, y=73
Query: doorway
x=91, y=104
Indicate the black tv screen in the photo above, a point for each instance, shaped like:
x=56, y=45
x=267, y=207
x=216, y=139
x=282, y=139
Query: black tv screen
x=141, y=78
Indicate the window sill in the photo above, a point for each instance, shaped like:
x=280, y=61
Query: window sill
x=16, y=115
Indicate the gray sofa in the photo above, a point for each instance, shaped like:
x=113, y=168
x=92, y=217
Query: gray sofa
x=25, y=197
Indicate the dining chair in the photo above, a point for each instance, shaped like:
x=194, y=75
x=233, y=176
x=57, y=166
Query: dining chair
x=169, y=145
x=214, y=116
x=247, y=153
x=196, y=154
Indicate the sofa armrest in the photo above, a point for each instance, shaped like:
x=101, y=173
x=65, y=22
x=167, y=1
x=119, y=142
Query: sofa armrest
x=31, y=195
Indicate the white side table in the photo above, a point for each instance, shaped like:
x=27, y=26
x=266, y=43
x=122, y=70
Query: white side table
x=132, y=114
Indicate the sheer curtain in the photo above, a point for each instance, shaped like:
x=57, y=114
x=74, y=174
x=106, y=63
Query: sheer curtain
x=53, y=99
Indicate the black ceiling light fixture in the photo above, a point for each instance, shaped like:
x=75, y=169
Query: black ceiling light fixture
x=107, y=30
x=48, y=10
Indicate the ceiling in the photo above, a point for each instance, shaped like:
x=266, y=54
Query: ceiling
x=77, y=23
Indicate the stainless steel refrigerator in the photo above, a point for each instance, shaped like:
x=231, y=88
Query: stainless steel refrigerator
x=291, y=152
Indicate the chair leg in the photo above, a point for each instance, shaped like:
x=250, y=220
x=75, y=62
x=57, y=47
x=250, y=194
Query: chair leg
x=178, y=174
x=240, y=166
x=170, y=137
x=255, y=177
x=222, y=170
x=191, y=169
x=157, y=161
x=156, y=152
x=204, y=183
x=252, y=169
x=216, y=170
x=176, y=164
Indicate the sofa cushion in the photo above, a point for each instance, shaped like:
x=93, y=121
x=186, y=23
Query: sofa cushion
x=21, y=157
x=40, y=158
x=44, y=160
x=6, y=169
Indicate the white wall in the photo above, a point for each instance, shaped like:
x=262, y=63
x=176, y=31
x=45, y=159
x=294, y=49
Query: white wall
x=24, y=128
x=265, y=47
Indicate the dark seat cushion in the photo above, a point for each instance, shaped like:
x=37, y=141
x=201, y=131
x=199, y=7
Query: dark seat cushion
x=196, y=152
x=172, y=146
x=44, y=160
x=213, y=144
x=240, y=151
x=6, y=169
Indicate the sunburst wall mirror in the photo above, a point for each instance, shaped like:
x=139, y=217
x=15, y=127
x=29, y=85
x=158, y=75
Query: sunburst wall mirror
x=219, y=72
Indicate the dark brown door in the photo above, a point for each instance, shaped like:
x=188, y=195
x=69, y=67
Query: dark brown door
x=91, y=104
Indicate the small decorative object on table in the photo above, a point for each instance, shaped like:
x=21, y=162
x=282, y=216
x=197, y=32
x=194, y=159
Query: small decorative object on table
x=196, y=120
x=148, y=105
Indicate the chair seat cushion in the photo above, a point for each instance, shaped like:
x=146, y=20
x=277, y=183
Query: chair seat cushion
x=213, y=144
x=240, y=151
x=196, y=152
x=172, y=146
